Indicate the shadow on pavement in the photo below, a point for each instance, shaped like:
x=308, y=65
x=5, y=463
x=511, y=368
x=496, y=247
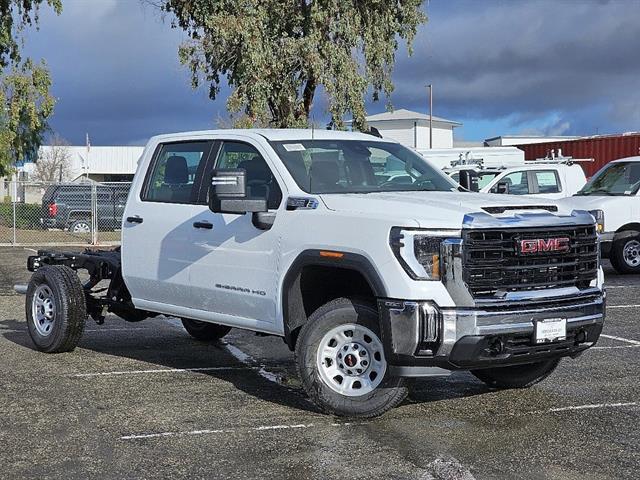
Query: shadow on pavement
x=168, y=347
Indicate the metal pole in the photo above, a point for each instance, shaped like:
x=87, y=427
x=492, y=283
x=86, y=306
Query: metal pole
x=430, y=116
x=94, y=214
x=15, y=194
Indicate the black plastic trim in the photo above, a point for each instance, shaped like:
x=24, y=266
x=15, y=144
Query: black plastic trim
x=293, y=315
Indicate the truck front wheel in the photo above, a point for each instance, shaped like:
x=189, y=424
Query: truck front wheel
x=341, y=362
x=55, y=309
x=205, y=331
x=516, y=376
x=625, y=254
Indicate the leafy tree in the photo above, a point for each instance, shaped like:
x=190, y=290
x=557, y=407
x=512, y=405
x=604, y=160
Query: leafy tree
x=276, y=54
x=24, y=94
x=25, y=102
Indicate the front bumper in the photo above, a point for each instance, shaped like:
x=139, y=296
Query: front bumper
x=606, y=241
x=418, y=336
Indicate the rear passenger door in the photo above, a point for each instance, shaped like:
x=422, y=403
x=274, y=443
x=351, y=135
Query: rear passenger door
x=158, y=224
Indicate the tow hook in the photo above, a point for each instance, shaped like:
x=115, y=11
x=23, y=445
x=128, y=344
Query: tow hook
x=581, y=336
x=496, y=346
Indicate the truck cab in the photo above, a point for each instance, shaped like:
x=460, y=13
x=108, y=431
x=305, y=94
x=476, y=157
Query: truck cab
x=305, y=235
x=549, y=181
x=612, y=195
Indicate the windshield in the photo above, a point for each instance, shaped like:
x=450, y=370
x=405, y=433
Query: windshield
x=358, y=166
x=615, y=179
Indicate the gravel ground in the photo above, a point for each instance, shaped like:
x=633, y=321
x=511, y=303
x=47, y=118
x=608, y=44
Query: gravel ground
x=146, y=401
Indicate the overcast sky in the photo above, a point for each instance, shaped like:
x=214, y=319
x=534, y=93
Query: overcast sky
x=500, y=67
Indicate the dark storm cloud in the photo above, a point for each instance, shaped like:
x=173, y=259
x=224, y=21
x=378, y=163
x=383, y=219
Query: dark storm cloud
x=116, y=73
x=545, y=66
x=527, y=60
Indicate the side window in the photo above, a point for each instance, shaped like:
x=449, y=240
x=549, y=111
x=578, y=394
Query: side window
x=176, y=172
x=517, y=181
x=547, y=181
x=260, y=180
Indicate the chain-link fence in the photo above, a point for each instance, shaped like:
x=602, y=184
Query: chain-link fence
x=45, y=213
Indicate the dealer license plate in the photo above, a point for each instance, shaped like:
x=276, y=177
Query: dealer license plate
x=551, y=330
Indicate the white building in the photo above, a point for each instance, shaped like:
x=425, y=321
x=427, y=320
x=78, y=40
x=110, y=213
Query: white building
x=509, y=140
x=412, y=128
x=101, y=164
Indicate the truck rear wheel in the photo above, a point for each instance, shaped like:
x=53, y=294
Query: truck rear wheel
x=516, y=376
x=205, y=331
x=625, y=254
x=55, y=309
x=341, y=363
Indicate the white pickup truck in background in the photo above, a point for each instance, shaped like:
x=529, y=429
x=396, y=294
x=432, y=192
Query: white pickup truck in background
x=613, y=196
x=542, y=180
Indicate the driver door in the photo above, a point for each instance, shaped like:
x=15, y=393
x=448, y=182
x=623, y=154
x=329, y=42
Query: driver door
x=234, y=279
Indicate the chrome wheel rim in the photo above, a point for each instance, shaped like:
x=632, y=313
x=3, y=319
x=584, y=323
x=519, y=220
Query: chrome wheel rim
x=631, y=253
x=43, y=310
x=351, y=360
x=81, y=227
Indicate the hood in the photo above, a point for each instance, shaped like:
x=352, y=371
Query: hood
x=437, y=209
x=592, y=202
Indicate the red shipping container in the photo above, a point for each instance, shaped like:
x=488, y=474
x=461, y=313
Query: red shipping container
x=602, y=148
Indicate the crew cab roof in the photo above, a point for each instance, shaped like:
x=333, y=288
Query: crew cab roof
x=278, y=134
x=627, y=159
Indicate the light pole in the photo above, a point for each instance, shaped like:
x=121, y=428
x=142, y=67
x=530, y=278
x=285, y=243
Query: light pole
x=430, y=115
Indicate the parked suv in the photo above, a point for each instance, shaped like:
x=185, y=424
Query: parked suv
x=291, y=233
x=68, y=206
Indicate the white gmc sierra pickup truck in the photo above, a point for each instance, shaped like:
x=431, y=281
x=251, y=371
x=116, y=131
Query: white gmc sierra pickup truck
x=306, y=236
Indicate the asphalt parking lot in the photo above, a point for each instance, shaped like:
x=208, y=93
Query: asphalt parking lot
x=145, y=400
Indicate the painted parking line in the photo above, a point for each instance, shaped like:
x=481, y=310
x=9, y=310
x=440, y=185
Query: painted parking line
x=623, y=306
x=260, y=428
x=130, y=329
x=591, y=407
x=621, y=339
x=158, y=370
x=616, y=347
x=288, y=427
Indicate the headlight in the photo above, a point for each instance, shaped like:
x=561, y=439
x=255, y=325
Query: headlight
x=418, y=251
x=599, y=216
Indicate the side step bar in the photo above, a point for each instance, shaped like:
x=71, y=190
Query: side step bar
x=21, y=289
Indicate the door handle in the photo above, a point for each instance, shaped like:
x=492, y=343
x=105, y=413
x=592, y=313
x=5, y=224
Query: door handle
x=206, y=225
x=135, y=219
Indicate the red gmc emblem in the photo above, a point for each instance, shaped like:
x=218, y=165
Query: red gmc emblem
x=541, y=245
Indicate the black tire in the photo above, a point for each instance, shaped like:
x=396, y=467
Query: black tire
x=617, y=255
x=80, y=224
x=388, y=394
x=516, y=376
x=69, y=310
x=205, y=331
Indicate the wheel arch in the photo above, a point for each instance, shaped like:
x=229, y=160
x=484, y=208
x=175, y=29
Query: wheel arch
x=633, y=226
x=355, y=274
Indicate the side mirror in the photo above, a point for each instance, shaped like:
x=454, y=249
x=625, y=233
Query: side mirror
x=469, y=180
x=228, y=193
x=502, y=187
